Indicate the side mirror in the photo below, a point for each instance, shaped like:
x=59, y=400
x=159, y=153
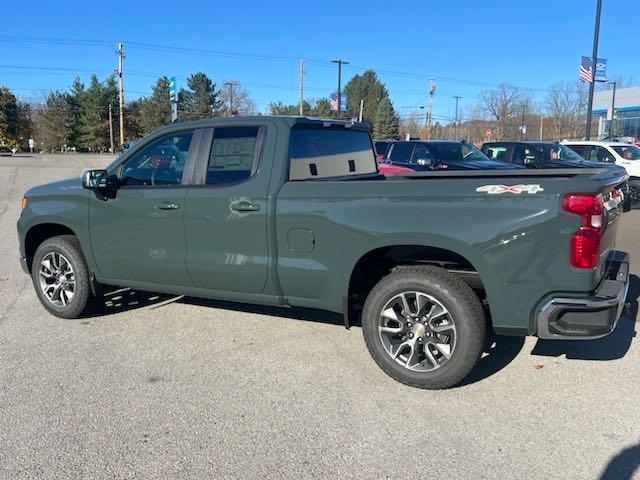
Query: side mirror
x=99, y=180
x=424, y=162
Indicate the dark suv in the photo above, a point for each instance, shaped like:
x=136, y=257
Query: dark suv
x=423, y=155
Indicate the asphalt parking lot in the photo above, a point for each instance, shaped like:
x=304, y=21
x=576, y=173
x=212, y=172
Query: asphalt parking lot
x=152, y=388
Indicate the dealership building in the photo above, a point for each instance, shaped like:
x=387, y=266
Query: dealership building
x=625, y=109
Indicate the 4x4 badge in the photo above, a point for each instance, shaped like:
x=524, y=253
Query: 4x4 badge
x=496, y=189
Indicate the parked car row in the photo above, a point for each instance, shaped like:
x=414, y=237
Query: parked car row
x=426, y=155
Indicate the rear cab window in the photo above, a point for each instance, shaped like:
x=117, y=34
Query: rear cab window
x=319, y=153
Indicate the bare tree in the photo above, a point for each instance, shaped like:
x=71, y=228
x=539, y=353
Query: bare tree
x=242, y=102
x=504, y=104
x=566, y=105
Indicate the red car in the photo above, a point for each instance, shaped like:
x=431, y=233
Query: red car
x=386, y=168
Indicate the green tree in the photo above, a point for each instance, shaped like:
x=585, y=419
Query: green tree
x=94, y=107
x=321, y=108
x=55, y=122
x=24, y=125
x=8, y=118
x=385, y=121
x=132, y=120
x=155, y=110
x=279, y=108
x=201, y=99
x=365, y=87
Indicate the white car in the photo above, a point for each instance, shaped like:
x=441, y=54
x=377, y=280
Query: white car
x=626, y=155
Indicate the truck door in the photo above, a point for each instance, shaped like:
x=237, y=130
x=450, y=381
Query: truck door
x=226, y=214
x=138, y=234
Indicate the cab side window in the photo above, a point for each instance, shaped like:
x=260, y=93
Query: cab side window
x=233, y=156
x=579, y=149
x=400, y=152
x=420, y=153
x=600, y=154
x=160, y=163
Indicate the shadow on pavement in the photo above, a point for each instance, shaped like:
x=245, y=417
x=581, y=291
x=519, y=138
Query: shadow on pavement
x=297, y=313
x=623, y=465
x=499, y=351
x=610, y=347
x=124, y=299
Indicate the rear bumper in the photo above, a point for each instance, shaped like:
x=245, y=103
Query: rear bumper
x=592, y=316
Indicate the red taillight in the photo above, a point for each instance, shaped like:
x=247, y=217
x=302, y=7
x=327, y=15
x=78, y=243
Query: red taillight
x=585, y=242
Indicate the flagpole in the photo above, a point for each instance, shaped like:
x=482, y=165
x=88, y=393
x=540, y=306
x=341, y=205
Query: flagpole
x=594, y=59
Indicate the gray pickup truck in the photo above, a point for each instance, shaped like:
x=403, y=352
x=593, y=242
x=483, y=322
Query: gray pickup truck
x=292, y=211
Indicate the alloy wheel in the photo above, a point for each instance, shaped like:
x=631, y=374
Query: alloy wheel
x=57, y=279
x=417, y=331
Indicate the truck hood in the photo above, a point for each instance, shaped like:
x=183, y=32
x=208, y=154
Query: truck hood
x=59, y=187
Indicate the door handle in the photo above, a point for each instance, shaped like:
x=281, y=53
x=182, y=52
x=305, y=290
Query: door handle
x=245, y=206
x=167, y=206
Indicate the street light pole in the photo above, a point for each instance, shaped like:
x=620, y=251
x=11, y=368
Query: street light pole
x=340, y=63
x=455, y=125
x=613, y=108
x=594, y=59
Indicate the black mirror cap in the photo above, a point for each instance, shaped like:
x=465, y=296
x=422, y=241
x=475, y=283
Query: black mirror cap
x=99, y=180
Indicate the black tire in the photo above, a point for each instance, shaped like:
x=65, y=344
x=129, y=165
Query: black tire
x=634, y=194
x=69, y=247
x=456, y=296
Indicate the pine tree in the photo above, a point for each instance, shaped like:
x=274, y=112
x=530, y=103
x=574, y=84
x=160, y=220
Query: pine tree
x=366, y=87
x=55, y=122
x=155, y=110
x=385, y=122
x=8, y=118
x=201, y=99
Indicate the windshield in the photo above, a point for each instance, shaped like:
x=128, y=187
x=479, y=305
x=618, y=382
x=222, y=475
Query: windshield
x=628, y=152
x=471, y=152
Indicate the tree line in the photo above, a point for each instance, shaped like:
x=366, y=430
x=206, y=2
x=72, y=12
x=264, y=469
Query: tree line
x=78, y=118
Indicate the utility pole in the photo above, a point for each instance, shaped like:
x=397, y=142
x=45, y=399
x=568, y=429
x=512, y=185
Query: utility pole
x=541, y=127
x=432, y=90
x=613, y=108
x=455, y=125
x=340, y=63
x=522, y=126
x=361, y=109
x=301, y=86
x=594, y=60
x=231, y=85
x=111, y=129
x=121, y=92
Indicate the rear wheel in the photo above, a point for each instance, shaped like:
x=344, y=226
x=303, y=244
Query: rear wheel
x=61, y=277
x=424, y=327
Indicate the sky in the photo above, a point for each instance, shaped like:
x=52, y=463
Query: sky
x=468, y=46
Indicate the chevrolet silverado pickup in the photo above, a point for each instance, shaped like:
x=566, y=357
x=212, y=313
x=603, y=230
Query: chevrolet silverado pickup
x=292, y=211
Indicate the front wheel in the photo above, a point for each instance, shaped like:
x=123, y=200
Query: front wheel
x=61, y=277
x=424, y=327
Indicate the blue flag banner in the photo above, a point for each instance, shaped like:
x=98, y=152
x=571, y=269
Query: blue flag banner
x=173, y=92
x=601, y=70
x=333, y=101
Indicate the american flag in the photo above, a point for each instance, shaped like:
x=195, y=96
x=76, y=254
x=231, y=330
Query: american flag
x=586, y=70
x=333, y=101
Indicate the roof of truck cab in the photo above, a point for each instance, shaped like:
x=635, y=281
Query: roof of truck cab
x=290, y=120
